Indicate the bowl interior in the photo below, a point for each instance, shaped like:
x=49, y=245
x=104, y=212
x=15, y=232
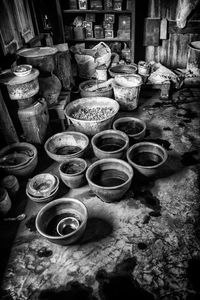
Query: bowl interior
x=14, y=160
x=131, y=127
x=109, y=141
x=73, y=167
x=108, y=174
x=67, y=143
x=49, y=217
x=147, y=155
x=92, y=109
x=120, y=69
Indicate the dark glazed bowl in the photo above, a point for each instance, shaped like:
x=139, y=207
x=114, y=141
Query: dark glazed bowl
x=52, y=213
x=110, y=144
x=133, y=127
x=109, y=178
x=72, y=172
x=146, y=157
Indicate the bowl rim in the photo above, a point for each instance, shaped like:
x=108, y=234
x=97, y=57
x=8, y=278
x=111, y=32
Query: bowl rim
x=150, y=144
x=82, y=84
x=71, y=133
x=127, y=119
x=53, y=203
x=55, y=184
x=42, y=199
x=90, y=99
x=70, y=160
x=22, y=73
x=119, y=132
x=106, y=160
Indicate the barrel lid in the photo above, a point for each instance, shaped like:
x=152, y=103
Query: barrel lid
x=37, y=52
x=7, y=77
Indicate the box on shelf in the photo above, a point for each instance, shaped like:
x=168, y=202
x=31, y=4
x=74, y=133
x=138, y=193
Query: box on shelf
x=87, y=25
x=79, y=33
x=124, y=22
x=109, y=18
x=73, y=4
x=108, y=4
x=124, y=34
x=107, y=26
x=109, y=34
x=96, y=4
x=90, y=17
x=117, y=5
x=98, y=32
x=82, y=4
x=89, y=34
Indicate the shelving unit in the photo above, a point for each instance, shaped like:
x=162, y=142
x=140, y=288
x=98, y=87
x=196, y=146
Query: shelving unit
x=66, y=16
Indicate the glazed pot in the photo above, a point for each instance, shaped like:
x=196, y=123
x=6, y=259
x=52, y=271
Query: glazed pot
x=147, y=158
x=110, y=144
x=41, y=58
x=109, y=178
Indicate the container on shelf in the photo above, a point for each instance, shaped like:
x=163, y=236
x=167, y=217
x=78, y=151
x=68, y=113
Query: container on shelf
x=98, y=32
x=101, y=73
x=79, y=33
x=96, y=4
x=82, y=4
x=108, y=4
x=73, y=4
x=34, y=120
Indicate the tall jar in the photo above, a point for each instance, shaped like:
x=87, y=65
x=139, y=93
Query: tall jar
x=34, y=120
x=5, y=202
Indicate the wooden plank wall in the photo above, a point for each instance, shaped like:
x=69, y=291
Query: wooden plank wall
x=173, y=51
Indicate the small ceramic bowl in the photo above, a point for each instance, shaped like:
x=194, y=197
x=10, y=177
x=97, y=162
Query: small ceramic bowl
x=52, y=213
x=22, y=70
x=146, y=157
x=72, y=172
x=42, y=184
x=110, y=144
x=133, y=127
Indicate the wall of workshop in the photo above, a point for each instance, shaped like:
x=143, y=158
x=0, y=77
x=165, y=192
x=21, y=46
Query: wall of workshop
x=173, y=51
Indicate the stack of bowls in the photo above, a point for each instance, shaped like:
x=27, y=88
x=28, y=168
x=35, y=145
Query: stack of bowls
x=42, y=188
x=19, y=159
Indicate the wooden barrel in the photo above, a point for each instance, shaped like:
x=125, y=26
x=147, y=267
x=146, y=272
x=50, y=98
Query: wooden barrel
x=193, y=61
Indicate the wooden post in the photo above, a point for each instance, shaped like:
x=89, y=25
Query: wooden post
x=6, y=125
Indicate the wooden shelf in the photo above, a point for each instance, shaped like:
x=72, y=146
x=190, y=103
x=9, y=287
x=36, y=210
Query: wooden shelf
x=99, y=40
x=83, y=11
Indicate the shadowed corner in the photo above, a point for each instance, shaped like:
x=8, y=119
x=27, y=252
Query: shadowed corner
x=96, y=229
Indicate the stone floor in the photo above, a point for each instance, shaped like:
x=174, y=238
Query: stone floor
x=146, y=246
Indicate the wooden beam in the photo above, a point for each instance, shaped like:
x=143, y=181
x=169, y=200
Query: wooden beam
x=6, y=125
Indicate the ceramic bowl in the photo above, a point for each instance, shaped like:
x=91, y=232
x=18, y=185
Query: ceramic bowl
x=102, y=92
x=110, y=144
x=72, y=172
x=66, y=145
x=42, y=184
x=146, y=157
x=109, y=178
x=52, y=213
x=27, y=166
x=133, y=127
x=122, y=70
x=22, y=70
x=92, y=115
x=47, y=198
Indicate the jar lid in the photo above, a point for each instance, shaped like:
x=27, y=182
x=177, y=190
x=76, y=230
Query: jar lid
x=9, y=78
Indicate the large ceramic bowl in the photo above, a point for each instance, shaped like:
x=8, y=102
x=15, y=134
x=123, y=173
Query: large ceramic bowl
x=110, y=143
x=122, y=70
x=66, y=145
x=19, y=159
x=52, y=213
x=92, y=115
x=135, y=128
x=109, y=178
x=146, y=157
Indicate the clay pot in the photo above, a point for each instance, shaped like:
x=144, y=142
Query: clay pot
x=50, y=87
